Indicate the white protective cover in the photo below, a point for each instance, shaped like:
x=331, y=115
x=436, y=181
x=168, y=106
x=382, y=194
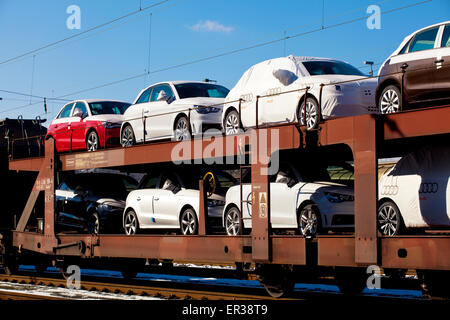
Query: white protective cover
x=419, y=185
x=277, y=75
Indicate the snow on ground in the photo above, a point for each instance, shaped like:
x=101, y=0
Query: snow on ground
x=299, y=287
x=72, y=294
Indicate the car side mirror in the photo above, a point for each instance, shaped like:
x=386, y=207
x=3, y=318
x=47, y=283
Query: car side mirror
x=286, y=77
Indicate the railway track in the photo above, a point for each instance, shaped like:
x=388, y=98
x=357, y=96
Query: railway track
x=159, y=292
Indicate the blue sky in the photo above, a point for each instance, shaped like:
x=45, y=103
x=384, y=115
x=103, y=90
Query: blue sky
x=182, y=31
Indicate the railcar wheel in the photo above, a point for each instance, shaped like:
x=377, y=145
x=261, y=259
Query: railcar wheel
x=390, y=221
x=350, y=281
x=434, y=284
x=92, y=141
x=188, y=222
x=131, y=223
x=390, y=100
x=277, y=280
x=233, y=221
x=127, y=138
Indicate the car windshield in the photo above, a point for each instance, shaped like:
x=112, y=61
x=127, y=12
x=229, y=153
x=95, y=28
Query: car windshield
x=193, y=90
x=110, y=185
x=108, y=107
x=316, y=68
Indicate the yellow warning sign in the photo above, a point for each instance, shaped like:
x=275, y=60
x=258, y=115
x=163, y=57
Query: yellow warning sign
x=263, y=205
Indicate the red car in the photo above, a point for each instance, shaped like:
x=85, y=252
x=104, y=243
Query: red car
x=87, y=125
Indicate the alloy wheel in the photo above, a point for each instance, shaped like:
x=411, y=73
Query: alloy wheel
x=389, y=219
x=92, y=141
x=127, y=139
x=182, y=130
x=131, y=223
x=232, y=123
x=311, y=114
x=233, y=222
x=309, y=221
x=390, y=101
x=188, y=222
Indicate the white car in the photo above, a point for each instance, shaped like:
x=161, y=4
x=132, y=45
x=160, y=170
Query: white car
x=301, y=198
x=415, y=193
x=270, y=79
x=173, y=110
x=169, y=200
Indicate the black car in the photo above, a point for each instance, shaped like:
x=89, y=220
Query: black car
x=92, y=202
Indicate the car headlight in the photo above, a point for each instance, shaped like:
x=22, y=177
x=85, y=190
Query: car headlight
x=205, y=109
x=338, y=197
x=215, y=203
x=108, y=207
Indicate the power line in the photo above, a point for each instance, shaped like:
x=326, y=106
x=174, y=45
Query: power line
x=30, y=95
x=262, y=44
x=84, y=32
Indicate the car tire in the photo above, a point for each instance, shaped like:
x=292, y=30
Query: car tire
x=127, y=138
x=309, y=223
x=131, y=223
x=389, y=218
x=182, y=131
x=94, y=224
x=233, y=221
x=312, y=113
x=231, y=123
x=390, y=100
x=92, y=141
x=188, y=222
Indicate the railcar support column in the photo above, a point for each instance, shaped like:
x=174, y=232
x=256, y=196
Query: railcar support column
x=261, y=242
x=366, y=190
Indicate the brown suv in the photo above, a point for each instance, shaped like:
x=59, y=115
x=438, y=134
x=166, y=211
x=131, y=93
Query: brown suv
x=425, y=57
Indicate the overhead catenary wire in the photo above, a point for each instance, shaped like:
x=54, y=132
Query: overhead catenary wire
x=230, y=52
x=84, y=32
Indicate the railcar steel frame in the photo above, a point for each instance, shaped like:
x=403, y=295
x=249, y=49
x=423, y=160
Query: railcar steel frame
x=365, y=135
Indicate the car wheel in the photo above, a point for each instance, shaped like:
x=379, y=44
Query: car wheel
x=92, y=141
x=390, y=100
x=231, y=124
x=389, y=219
x=127, y=138
x=309, y=220
x=312, y=117
x=94, y=224
x=182, y=130
x=232, y=221
x=188, y=222
x=131, y=223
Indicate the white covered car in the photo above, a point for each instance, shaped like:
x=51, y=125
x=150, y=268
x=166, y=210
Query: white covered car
x=169, y=200
x=415, y=193
x=173, y=110
x=270, y=79
x=301, y=198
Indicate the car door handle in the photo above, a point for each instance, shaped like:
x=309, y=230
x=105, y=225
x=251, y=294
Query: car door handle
x=146, y=111
x=138, y=198
x=156, y=198
x=404, y=66
x=439, y=61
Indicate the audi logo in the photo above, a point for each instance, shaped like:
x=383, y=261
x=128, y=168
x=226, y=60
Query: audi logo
x=389, y=190
x=428, y=187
